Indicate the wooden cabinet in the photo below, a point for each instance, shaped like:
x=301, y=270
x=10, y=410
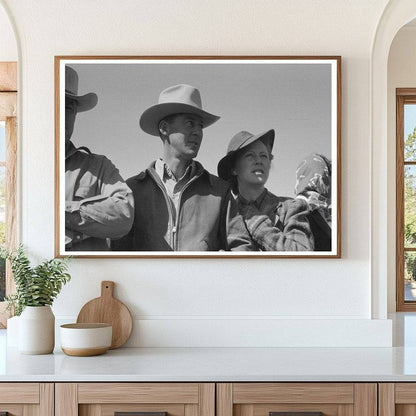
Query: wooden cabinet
x=27, y=399
x=263, y=399
x=207, y=399
x=105, y=399
x=397, y=399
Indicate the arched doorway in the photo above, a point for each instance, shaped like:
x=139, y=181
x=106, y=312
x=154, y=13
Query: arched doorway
x=396, y=14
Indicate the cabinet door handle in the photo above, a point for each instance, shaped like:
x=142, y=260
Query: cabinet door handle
x=138, y=414
x=296, y=414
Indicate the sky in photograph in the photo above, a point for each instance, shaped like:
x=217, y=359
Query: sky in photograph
x=409, y=119
x=292, y=98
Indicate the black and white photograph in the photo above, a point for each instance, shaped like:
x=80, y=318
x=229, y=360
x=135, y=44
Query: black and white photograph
x=197, y=156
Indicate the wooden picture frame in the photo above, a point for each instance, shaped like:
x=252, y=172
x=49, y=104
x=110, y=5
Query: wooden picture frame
x=299, y=97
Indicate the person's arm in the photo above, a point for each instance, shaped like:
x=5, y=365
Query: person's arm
x=291, y=233
x=109, y=214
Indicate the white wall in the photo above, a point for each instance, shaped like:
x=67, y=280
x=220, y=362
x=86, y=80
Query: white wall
x=8, y=46
x=211, y=302
x=401, y=74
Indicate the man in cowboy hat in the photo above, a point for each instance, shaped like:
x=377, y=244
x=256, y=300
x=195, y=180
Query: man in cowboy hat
x=179, y=206
x=98, y=203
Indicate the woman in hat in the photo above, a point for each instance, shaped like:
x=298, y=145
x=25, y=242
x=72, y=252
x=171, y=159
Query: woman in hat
x=275, y=223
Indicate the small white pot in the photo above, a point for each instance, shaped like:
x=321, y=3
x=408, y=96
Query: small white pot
x=37, y=330
x=86, y=339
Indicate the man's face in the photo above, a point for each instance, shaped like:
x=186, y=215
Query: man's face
x=70, y=114
x=184, y=136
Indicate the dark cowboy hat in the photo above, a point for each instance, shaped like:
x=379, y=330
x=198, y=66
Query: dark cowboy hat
x=84, y=102
x=177, y=99
x=238, y=142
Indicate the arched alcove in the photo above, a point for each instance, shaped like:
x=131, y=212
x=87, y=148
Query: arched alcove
x=396, y=14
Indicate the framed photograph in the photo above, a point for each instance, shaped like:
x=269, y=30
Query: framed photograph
x=198, y=156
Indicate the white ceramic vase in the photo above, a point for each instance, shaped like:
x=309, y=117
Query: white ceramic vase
x=13, y=331
x=37, y=330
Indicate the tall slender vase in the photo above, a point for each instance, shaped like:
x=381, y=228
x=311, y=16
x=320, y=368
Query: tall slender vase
x=37, y=330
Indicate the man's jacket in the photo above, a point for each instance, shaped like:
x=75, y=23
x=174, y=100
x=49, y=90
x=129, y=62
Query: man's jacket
x=206, y=220
x=98, y=203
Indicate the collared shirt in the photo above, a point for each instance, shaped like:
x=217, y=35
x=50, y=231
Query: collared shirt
x=98, y=203
x=172, y=185
x=264, y=204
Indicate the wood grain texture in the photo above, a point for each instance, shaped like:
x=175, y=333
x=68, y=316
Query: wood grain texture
x=405, y=410
x=138, y=393
x=190, y=410
x=264, y=409
x=224, y=399
x=386, y=399
x=31, y=410
x=13, y=409
x=107, y=309
x=27, y=393
x=8, y=76
x=345, y=410
x=47, y=399
x=252, y=393
x=365, y=399
x=400, y=203
x=246, y=410
x=66, y=399
x=110, y=409
x=207, y=399
x=90, y=410
x=410, y=92
x=405, y=393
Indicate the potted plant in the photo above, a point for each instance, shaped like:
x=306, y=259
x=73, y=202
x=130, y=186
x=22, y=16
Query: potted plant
x=36, y=289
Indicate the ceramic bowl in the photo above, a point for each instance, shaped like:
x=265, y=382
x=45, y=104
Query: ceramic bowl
x=84, y=340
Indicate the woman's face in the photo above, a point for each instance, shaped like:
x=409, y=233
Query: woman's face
x=252, y=165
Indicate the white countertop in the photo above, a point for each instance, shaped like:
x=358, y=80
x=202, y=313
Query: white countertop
x=213, y=364
x=221, y=364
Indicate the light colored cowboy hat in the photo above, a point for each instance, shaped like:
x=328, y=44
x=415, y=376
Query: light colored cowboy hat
x=84, y=102
x=239, y=141
x=177, y=99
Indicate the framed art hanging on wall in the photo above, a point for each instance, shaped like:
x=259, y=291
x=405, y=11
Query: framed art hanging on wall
x=198, y=156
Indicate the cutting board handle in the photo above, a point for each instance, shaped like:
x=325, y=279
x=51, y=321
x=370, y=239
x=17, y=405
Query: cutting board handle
x=107, y=289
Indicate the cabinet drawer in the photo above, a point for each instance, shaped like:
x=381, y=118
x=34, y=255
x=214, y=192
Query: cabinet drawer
x=107, y=399
x=397, y=399
x=21, y=399
x=296, y=399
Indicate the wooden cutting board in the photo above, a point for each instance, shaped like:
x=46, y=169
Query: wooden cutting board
x=107, y=309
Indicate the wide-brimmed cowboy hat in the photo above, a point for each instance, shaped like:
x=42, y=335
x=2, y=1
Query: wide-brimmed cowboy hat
x=241, y=140
x=84, y=102
x=177, y=99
